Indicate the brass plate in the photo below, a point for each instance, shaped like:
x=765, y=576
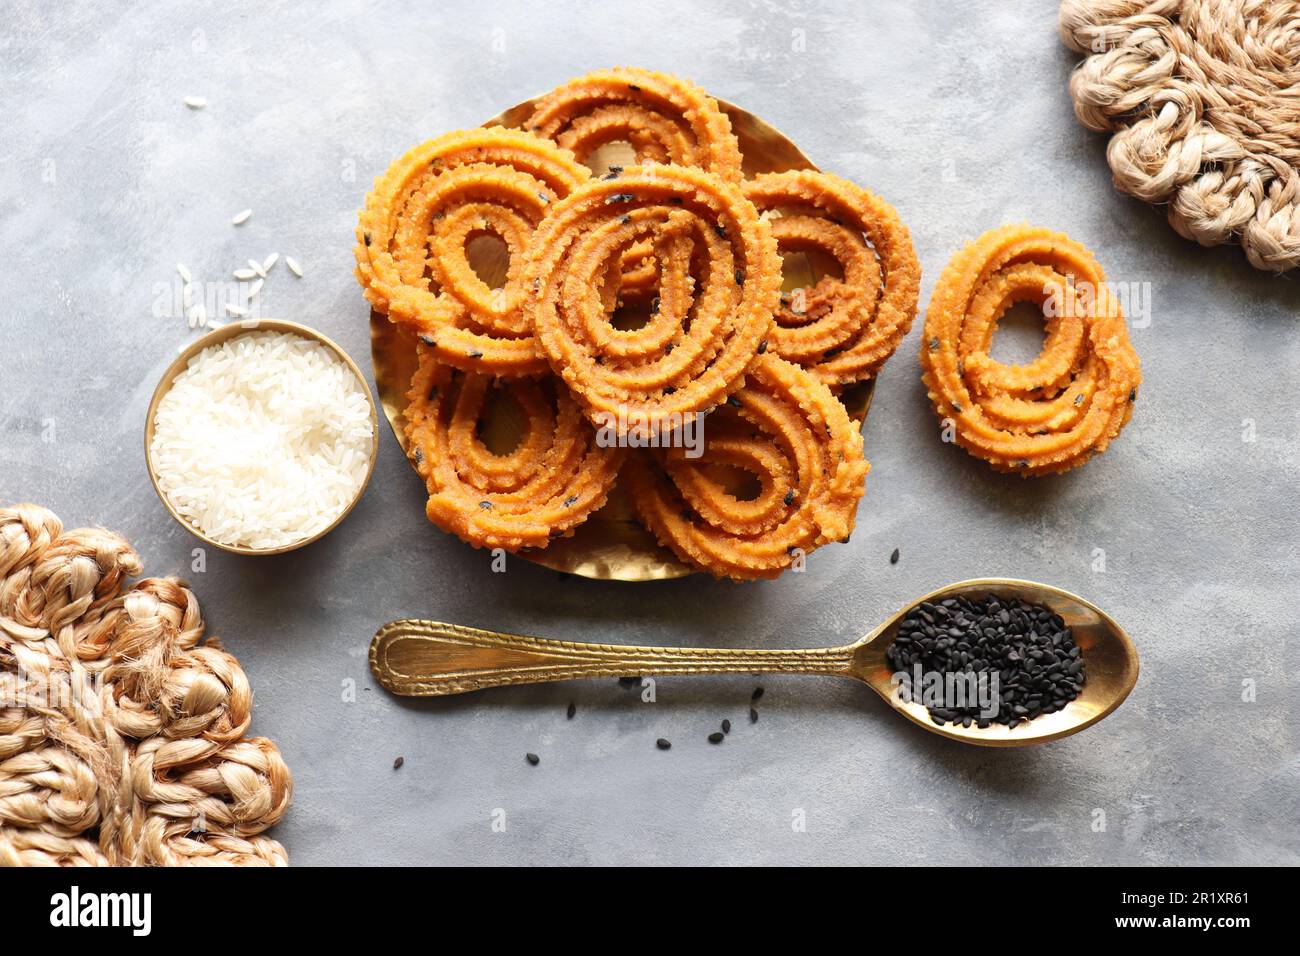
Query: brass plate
x=611, y=545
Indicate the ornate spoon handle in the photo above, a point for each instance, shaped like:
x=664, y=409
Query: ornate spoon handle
x=431, y=659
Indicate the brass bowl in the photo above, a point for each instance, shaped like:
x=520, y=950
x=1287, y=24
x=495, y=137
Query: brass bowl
x=216, y=337
x=611, y=545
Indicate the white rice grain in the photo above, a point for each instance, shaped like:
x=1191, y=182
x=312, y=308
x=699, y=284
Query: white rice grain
x=195, y=102
x=263, y=440
x=292, y=263
x=269, y=262
x=240, y=218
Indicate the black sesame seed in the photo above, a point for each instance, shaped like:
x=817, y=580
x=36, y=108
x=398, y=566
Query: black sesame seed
x=476, y=354
x=485, y=505
x=758, y=692
x=716, y=737
x=753, y=716
x=663, y=743
x=893, y=556
x=733, y=401
x=619, y=197
x=740, y=277
x=569, y=501
x=533, y=759
x=397, y=764
x=726, y=726
x=789, y=497
x=428, y=340
x=1078, y=399
x=762, y=346
x=367, y=238
x=573, y=709
x=1026, y=647
x=934, y=345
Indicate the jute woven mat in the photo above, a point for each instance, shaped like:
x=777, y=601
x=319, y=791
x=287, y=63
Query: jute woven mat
x=1203, y=100
x=121, y=738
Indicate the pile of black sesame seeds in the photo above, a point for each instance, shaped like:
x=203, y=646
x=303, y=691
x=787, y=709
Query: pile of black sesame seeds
x=1038, y=667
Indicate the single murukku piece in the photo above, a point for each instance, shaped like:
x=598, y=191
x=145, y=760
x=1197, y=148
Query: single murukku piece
x=718, y=280
x=786, y=437
x=554, y=476
x=665, y=120
x=420, y=221
x=1070, y=402
x=844, y=327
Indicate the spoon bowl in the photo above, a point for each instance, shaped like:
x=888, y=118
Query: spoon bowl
x=1110, y=659
x=432, y=659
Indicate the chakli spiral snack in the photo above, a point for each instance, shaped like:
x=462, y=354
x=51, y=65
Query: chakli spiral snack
x=841, y=329
x=787, y=430
x=419, y=219
x=121, y=736
x=1065, y=406
x=719, y=276
x=663, y=118
x=543, y=488
x=1200, y=99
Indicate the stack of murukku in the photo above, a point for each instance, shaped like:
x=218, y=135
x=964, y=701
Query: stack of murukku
x=641, y=304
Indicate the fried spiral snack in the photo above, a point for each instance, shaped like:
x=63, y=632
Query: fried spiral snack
x=665, y=119
x=419, y=219
x=787, y=430
x=555, y=476
x=718, y=282
x=1065, y=406
x=841, y=329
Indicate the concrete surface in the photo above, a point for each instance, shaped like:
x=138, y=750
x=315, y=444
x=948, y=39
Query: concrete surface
x=955, y=111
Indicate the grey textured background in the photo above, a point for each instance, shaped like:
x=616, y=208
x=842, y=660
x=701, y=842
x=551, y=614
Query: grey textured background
x=957, y=112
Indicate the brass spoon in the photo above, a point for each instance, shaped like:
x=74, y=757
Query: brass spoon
x=429, y=659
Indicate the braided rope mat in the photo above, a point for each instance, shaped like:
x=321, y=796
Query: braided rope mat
x=121, y=738
x=1203, y=99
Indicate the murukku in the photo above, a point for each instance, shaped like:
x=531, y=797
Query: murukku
x=663, y=118
x=545, y=486
x=785, y=431
x=421, y=217
x=1065, y=406
x=718, y=278
x=844, y=327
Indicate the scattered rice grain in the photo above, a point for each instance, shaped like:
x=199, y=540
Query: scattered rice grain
x=241, y=217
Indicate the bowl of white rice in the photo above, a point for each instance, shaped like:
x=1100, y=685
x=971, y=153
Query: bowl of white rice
x=261, y=436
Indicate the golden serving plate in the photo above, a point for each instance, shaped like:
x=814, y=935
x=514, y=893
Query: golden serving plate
x=610, y=545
